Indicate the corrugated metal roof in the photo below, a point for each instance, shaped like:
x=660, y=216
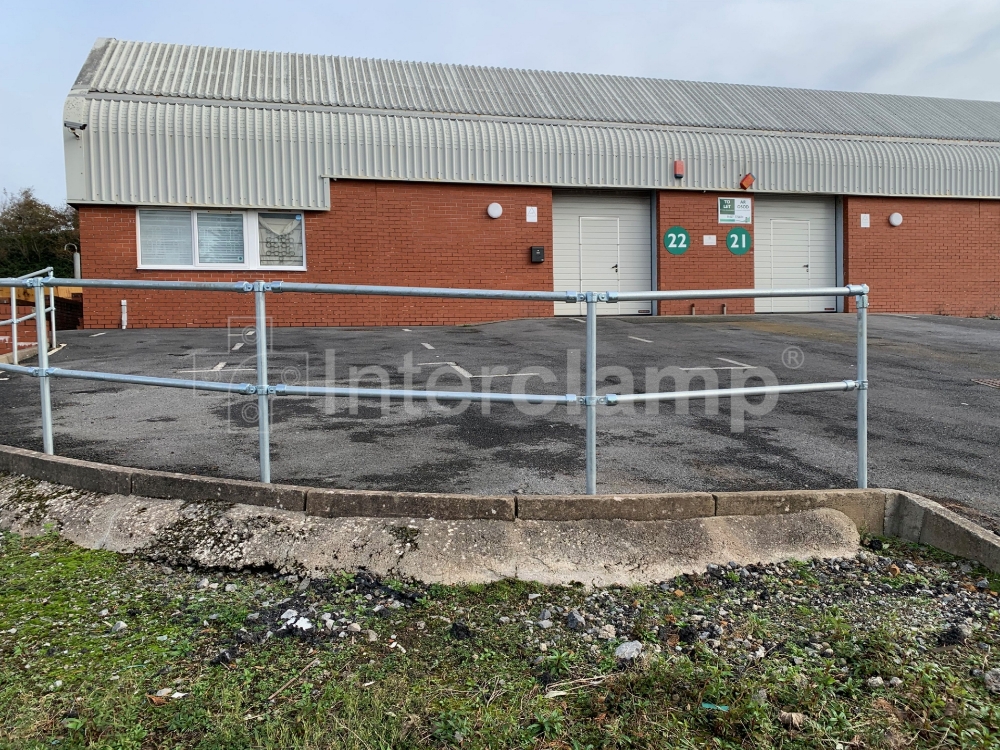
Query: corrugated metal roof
x=198, y=126
x=150, y=69
x=163, y=153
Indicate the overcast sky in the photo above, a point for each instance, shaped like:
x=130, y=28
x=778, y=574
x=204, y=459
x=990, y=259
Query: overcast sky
x=948, y=48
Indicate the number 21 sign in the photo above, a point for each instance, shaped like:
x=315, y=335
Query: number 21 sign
x=739, y=241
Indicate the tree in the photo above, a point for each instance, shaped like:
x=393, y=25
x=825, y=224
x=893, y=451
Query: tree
x=34, y=234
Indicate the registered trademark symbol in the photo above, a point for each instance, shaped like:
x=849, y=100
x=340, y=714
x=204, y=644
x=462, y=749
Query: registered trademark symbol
x=793, y=358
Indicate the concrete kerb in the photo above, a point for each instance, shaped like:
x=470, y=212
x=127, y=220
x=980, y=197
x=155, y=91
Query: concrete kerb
x=23, y=354
x=924, y=521
x=674, y=506
x=878, y=511
x=349, y=503
x=866, y=508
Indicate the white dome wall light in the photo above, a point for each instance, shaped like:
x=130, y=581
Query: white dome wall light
x=495, y=210
x=896, y=219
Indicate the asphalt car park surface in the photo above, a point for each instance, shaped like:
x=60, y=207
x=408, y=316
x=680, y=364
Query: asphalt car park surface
x=932, y=429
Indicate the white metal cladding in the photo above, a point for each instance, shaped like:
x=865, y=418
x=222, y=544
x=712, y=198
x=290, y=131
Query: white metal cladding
x=210, y=73
x=140, y=152
x=794, y=247
x=601, y=240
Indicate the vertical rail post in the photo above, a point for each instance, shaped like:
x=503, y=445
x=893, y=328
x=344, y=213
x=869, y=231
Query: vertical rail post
x=263, y=418
x=861, y=302
x=590, y=397
x=43, y=365
x=52, y=313
x=13, y=317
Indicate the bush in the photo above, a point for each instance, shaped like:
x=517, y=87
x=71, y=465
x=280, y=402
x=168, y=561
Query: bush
x=34, y=234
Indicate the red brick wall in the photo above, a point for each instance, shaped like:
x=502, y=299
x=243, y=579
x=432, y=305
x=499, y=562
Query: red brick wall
x=944, y=258
x=388, y=233
x=25, y=330
x=701, y=267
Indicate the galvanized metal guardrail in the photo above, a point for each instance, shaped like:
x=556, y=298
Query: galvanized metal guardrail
x=263, y=389
x=14, y=320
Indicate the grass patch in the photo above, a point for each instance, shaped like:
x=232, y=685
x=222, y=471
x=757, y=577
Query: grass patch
x=770, y=657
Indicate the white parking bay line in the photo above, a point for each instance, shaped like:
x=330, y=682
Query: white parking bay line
x=456, y=367
x=578, y=320
x=218, y=367
x=636, y=338
x=704, y=367
x=408, y=330
x=235, y=369
x=95, y=335
x=734, y=362
x=238, y=347
x=426, y=345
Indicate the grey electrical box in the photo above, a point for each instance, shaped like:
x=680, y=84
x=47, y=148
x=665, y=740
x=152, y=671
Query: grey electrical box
x=537, y=254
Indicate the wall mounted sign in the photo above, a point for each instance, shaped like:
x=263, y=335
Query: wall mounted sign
x=677, y=240
x=735, y=210
x=739, y=241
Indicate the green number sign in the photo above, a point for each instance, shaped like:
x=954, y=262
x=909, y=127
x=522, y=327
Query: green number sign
x=739, y=241
x=677, y=240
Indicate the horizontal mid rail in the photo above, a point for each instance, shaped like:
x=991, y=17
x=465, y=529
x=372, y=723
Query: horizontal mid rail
x=763, y=390
x=852, y=290
x=250, y=389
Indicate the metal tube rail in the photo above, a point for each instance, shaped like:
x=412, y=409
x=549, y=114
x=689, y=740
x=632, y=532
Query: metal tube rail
x=13, y=325
x=391, y=393
x=30, y=316
x=590, y=399
x=263, y=414
x=263, y=390
x=416, y=291
x=42, y=272
x=852, y=290
x=763, y=390
x=862, y=305
x=13, y=321
x=246, y=389
x=179, y=286
x=43, y=366
x=251, y=389
x=52, y=315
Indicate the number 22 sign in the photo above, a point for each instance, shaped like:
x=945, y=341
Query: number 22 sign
x=677, y=240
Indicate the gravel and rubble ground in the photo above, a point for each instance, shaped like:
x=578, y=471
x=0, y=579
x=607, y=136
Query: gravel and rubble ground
x=891, y=649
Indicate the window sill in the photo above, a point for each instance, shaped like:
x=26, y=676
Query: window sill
x=277, y=269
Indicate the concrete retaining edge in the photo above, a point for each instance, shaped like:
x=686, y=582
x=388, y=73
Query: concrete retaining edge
x=877, y=511
x=8, y=359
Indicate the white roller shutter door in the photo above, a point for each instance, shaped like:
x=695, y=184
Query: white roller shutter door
x=601, y=241
x=795, y=245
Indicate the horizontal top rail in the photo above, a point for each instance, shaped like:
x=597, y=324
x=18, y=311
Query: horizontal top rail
x=420, y=291
x=851, y=290
x=192, y=286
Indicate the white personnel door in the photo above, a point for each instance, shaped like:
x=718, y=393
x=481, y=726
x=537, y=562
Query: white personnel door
x=795, y=246
x=601, y=242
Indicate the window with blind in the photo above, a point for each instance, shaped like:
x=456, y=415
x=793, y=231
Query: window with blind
x=231, y=240
x=165, y=238
x=220, y=238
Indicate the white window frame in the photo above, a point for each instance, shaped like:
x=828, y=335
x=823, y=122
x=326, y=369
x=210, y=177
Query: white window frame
x=251, y=243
